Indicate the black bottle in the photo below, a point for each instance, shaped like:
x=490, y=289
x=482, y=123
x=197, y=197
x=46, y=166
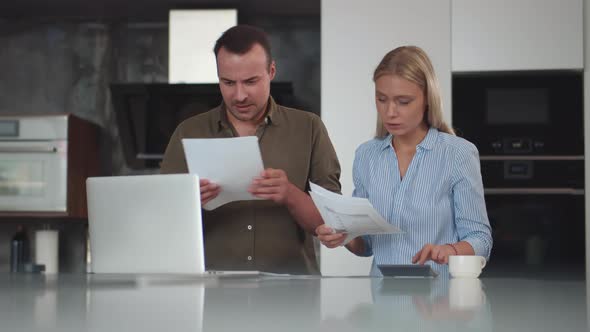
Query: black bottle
x=19, y=250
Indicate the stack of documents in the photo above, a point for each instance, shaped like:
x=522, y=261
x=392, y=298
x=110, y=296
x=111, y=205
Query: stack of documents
x=351, y=215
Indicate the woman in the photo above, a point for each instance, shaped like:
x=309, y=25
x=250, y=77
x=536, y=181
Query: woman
x=416, y=173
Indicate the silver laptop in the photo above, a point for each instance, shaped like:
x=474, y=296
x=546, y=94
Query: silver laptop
x=145, y=224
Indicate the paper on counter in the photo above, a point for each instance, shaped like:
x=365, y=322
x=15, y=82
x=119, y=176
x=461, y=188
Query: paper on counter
x=232, y=163
x=352, y=215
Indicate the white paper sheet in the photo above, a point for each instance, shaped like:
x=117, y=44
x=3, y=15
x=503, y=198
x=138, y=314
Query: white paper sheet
x=232, y=163
x=351, y=215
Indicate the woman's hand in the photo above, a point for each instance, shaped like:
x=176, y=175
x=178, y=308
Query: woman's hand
x=328, y=238
x=436, y=253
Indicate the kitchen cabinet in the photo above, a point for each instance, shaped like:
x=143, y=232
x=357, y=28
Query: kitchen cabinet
x=503, y=35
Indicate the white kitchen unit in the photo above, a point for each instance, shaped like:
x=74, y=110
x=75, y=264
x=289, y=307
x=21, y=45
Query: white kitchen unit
x=502, y=35
x=355, y=37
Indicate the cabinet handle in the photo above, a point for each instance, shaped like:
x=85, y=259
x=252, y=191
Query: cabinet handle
x=534, y=191
x=51, y=149
x=518, y=158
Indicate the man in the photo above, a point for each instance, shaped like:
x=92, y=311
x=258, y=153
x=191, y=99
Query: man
x=272, y=234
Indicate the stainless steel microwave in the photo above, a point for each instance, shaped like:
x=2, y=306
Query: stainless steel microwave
x=33, y=164
x=520, y=113
x=44, y=163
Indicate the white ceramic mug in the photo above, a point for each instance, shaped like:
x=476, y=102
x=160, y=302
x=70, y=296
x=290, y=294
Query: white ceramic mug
x=466, y=266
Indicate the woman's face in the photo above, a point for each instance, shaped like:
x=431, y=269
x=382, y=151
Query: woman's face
x=401, y=105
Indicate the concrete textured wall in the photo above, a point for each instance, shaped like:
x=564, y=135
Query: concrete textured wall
x=67, y=67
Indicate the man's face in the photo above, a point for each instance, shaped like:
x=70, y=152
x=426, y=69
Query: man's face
x=244, y=81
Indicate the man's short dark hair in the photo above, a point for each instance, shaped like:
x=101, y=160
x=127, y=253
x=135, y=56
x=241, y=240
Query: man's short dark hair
x=241, y=38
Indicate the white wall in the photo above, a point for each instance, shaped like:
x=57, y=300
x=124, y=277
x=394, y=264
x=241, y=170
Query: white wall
x=355, y=36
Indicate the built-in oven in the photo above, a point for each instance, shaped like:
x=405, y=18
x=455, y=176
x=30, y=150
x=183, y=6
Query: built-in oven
x=528, y=128
x=33, y=163
x=530, y=113
x=536, y=209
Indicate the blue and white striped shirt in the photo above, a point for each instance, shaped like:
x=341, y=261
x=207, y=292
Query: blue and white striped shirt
x=440, y=199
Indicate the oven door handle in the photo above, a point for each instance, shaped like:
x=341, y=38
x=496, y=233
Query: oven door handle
x=33, y=149
x=534, y=191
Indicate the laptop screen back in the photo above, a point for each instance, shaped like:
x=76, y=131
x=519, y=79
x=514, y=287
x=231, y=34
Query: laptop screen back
x=145, y=224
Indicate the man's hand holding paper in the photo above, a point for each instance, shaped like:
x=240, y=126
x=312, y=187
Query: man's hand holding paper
x=209, y=190
x=272, y=184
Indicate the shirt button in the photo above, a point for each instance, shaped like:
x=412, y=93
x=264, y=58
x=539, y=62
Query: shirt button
x=249, y=227
x=249, y=258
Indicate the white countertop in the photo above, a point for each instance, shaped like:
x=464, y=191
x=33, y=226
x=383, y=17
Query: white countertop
x=253, y=303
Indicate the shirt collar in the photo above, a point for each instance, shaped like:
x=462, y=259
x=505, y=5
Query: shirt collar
x=430, y=139
x=271, y=117
x=386, y=142
x=426, y=144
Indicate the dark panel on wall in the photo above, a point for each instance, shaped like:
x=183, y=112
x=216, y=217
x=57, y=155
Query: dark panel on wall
x=153, y=10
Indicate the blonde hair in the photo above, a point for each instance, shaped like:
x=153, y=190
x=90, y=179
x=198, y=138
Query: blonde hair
x=412, y=64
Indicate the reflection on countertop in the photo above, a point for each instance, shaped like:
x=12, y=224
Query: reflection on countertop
x=282, y=303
